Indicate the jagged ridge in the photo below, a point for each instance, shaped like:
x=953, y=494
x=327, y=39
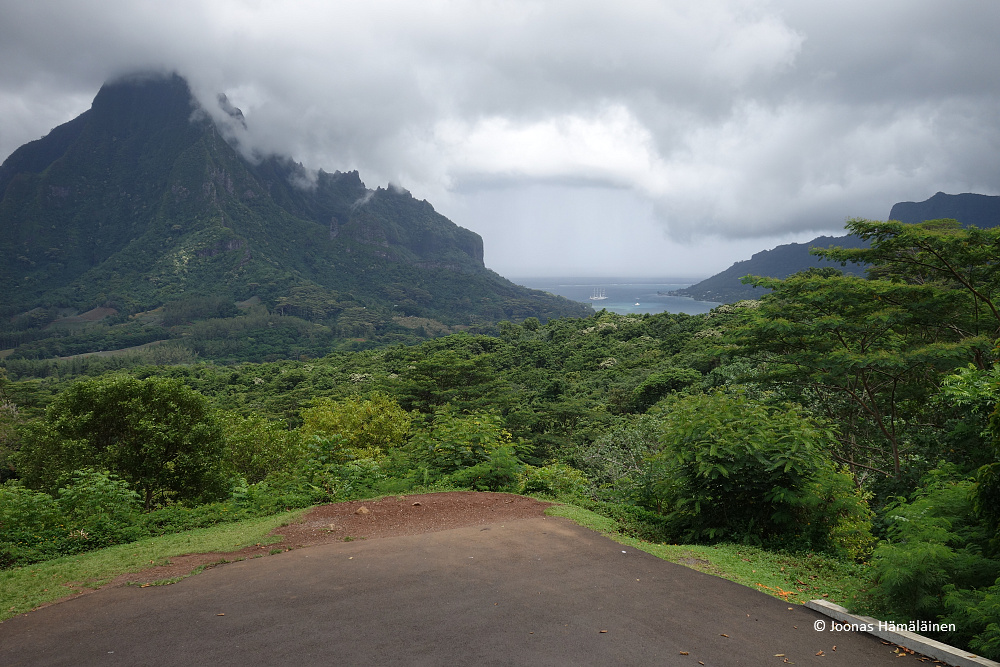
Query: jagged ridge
x=141, y=202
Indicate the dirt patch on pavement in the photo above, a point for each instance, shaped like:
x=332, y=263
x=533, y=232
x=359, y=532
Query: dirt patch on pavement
x=361, y=520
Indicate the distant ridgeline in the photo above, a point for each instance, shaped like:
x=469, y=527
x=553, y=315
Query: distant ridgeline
x=139, y=222
x=969, y=209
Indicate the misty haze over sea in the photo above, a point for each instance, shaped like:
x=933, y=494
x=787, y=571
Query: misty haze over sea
x=624, y=295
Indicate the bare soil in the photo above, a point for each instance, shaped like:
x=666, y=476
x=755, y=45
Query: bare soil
x=391, y=516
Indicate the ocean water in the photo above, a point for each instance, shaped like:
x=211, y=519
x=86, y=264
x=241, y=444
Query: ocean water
x=624, y=295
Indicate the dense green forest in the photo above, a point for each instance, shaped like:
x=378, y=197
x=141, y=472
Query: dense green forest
x=852, y=417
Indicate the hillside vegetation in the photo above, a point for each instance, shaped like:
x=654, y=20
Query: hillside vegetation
x=982, y=211
x=141, y=222
x=852, y=418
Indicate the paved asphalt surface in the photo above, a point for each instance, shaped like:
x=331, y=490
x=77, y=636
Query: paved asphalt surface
x=528, y=592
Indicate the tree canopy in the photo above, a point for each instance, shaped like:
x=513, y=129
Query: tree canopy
x=157, y=434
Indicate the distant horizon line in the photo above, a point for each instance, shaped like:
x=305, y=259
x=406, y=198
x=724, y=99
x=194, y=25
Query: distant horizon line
x=634, y=280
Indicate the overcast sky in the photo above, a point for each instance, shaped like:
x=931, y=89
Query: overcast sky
x=578, y=137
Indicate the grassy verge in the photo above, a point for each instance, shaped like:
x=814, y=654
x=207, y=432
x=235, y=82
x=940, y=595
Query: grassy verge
x=22, y=589
x=794, y=577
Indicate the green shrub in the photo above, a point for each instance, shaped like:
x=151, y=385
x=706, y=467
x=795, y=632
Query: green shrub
x=375, y=423
x=499, y=472
x=555, y=480
x=837, y=516
x=257, y=446
x=10, y=419
x=661, y=384
x=633, y=521
x=933, y=541
x=331, y=471
x=615, y=462
x=26, y=511
x=280, y=491
x=178, y=517
x=102, y=508
x=738, y=469
x=976, y=615
x=32, y=526
x=356, y=477
x=157, y=434
x=453, y=441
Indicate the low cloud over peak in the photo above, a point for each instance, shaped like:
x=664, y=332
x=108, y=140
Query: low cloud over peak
x=730, y=119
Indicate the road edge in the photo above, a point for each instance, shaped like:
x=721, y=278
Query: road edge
x=911, y=640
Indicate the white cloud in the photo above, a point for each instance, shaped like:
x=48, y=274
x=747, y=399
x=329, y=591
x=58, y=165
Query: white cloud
x=735, y=118
x=609, y=146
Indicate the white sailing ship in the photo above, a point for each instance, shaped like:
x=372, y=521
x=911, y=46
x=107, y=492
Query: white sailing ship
x=599, y=294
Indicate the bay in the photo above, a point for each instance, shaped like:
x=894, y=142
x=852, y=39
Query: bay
x=623, y=295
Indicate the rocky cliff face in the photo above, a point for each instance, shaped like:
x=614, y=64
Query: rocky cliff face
x=969, y=209
x=141, y=201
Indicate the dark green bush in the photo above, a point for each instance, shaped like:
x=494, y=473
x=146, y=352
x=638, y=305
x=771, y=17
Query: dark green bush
x=661, y=384
x=94, y=510
x=615, y=462
x=157, y=434
x=32, y=526
x=100, y=507
x=742, y=470
x=454, y=440
x=555, y=480
x=937, y=563
x=976, y=615
x=499, y=472
x=179, y=517
x=633, y=521
x=257, y=446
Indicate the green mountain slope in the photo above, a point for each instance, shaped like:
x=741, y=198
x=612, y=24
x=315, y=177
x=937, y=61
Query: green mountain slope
x=779, y=262
x=140, y=204
x=784, y=260
x=970, y=209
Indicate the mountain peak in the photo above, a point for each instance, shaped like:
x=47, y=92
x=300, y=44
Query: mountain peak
x=968, y=208
x=141, y=202
x=144, y=97
x=233, y=112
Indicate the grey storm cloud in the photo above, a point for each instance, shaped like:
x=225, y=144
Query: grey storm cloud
x=682, y=125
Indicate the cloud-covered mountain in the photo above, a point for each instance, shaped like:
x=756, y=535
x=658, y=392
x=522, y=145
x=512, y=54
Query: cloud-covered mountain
x=142, y=203
x=701, y=131
x=969, y=209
